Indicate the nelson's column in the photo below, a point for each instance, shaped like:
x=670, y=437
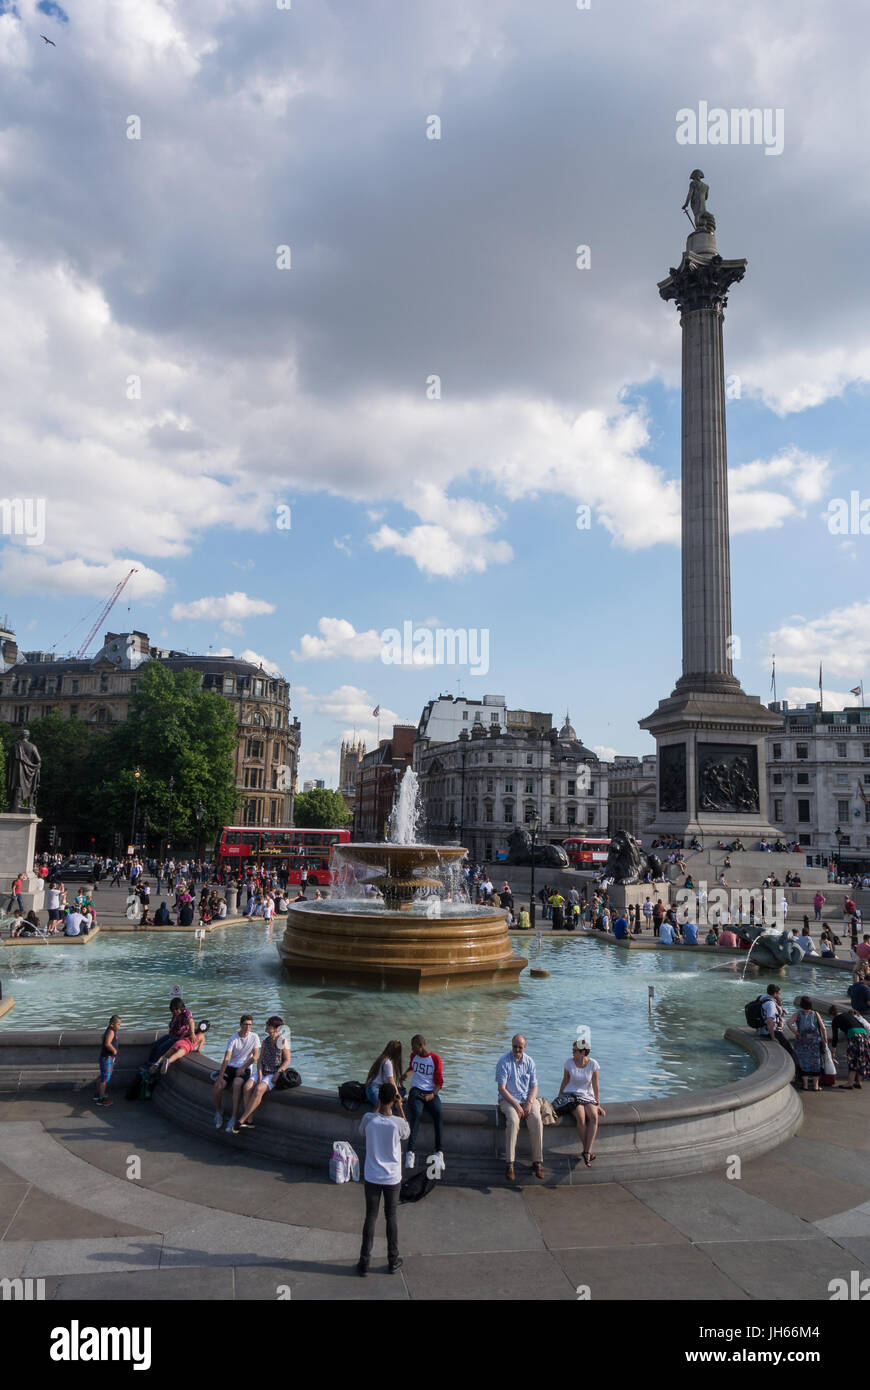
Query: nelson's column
x=709, y=734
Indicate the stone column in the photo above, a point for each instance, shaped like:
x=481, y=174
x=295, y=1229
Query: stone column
x=699, y=288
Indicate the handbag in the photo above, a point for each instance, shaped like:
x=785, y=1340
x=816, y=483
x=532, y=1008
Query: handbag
x=344, y=1163
x=565, y=1105
x=286, y=1080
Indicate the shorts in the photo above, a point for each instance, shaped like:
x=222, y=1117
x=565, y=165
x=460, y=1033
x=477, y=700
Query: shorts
x=106, y=1065
x=235, y=1074
x=182, y=1044
x=54, y=914
x=270, y=1080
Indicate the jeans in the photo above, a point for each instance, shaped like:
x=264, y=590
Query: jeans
x=162, y=1045
x=416, y=1107
x=373, y=1201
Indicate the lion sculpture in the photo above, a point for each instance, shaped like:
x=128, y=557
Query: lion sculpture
x=627, y=863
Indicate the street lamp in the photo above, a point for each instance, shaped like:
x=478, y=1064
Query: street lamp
x=534, y=826
x=136, y=776
x=840, y=838
x=199, y=813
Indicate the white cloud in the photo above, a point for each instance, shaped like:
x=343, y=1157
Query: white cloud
x=22, y=572
x=342, y=543
x=351, y=707
x=339, y=638
x=604, y=753
x=257, y=659
x=809, y=695
x=839, y=639
x=228, y=609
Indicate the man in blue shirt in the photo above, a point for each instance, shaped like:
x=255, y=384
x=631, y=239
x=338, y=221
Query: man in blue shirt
x=620, y=929
x=517, y=1082
x=666, y=933
x=690, y=932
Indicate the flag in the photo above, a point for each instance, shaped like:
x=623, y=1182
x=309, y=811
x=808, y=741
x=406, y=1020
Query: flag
x=376, y=712
x=856, y=690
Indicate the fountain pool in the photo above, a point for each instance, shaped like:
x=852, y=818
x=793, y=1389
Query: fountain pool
x=337, y=1031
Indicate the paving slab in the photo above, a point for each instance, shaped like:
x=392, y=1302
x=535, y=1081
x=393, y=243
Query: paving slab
x=802, y=1191
x=140, y=1286
x=607, y=1214
x=707, y=1208
x=516, y=1276
x=857, y=1246
x=464, y=1220
x=327, y=1205
x=43, y=1217
x=326, y=1283
x=850, y=1165
x=103, y=1256
x=854, y=1222
x=787, y=1271
x=223, y=1238
x=229, y=1189
x=651, y=1273
x=11, y=1197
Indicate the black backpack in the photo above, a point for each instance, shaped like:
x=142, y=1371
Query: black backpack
x=352, y=1094
x=754, y=1014
x=415, y=1188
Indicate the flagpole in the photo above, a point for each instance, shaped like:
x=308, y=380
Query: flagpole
x=821, y=692
x=773, y=676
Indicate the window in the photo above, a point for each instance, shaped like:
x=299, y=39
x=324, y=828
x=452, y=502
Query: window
x=805, y=839
x=510, y=759
x=846, y=840
x=74, y=687
x=73, y=711
x=841, y=750
x=254, y=748
x=802, y=750
x=867, y=776
x=529, y=759
x=529, y=787
x=777, y=810
x=259, y=720
x=590, y=816
x=104, y=684
x=258, y=687
x=842, y=779
x=552, y=814
x=529, y=813
x=571, y=786
x=552, y=787
x=465, y=714
x=867, y=750
x=777, y=751
x=842, y=810
x=777, y=779
x=493, y=718
x=102, y=715
x=803, y=779
x=490, y=784
x=21, y=714
x=489, y=757
x=509, y=783
x=591, y=788
x=508, y=813
x=803, y=812
x=229, y=689
x=572, y=815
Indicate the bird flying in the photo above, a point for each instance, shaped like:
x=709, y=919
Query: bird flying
x=45, y=40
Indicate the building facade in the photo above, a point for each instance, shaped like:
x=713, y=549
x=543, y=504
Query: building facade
x=818, y=777
x=446, y=717
x=477, y=788
x=377, y=778
x=352, y=754
x=632, y=786
x=99, y=690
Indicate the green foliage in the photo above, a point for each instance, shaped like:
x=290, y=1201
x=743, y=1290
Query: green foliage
x=320, y=810
x=174, y=729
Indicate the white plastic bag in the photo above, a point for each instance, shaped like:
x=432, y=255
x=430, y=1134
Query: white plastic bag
x=344, y=1163
x=829, y=1066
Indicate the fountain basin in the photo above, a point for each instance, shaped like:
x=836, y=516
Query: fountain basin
x=353, y=943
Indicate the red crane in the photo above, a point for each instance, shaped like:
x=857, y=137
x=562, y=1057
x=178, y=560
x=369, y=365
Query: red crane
x=115, y=595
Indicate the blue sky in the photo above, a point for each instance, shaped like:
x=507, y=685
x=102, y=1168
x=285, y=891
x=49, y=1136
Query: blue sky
x=169, y=388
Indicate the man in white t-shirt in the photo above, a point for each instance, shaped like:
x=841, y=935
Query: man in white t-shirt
x=73, y=924
x=383, y=1133
x=239, y=1064
x=53, y=899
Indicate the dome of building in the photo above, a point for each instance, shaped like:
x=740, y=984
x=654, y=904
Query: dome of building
x=567, y=730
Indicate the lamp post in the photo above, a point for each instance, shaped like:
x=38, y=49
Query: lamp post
x=534, y=827
x=136, y=776
x=840, y=838
x=199, y=813
x=169, y=821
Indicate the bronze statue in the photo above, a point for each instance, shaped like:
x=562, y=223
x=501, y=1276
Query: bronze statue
x=627, y=863
x=22, y=773
x=697, y=198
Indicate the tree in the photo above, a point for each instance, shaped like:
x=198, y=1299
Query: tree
x=320, y=810
x=174, y=729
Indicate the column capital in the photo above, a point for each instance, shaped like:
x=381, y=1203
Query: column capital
x=701, y=282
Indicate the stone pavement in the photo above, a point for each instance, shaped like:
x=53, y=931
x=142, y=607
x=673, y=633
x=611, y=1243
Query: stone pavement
x=204, y=1221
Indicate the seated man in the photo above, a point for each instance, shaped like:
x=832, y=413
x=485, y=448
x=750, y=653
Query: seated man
x=162, y=917
x=727, y=938
x=73, y=924
x=690, y=932
x=620, y=929
x=666, y=933
x=517, y=1081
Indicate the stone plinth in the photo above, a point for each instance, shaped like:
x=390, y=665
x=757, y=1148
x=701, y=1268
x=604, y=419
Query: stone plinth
x=17, y=848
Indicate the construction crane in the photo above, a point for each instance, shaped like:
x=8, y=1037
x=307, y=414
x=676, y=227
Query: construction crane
x=115, y=595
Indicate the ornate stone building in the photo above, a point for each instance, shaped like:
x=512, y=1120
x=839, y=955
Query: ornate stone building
x=478, y=787
x=99, y=690
x=379, y=773
x=818, y=781
x=352, y=755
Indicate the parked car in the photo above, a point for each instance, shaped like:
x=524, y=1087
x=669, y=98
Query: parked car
x=80, y=866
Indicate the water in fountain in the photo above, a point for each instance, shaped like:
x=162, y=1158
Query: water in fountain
x=406, y=813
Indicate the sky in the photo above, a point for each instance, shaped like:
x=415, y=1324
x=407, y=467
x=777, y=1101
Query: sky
x=333, y=316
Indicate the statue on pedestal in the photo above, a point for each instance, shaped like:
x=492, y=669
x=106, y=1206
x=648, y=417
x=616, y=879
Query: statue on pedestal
x=697, y=198
x=22, y=773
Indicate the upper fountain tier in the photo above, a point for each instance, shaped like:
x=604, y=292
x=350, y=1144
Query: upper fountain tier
x=402, y=866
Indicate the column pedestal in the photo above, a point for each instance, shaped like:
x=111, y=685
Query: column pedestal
x=17, y=847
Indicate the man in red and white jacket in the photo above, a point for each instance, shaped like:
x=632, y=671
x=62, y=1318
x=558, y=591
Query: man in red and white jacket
x=428, y=1075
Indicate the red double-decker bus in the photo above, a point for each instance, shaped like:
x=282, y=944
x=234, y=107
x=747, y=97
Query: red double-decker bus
x=586, y=853
x=284, y=849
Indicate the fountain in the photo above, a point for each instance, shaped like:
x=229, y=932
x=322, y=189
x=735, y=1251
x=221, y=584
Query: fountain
x=404, y=934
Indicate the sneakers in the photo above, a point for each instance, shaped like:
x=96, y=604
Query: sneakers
x=395, y=1265
x=410, y=1159
x=100, y=1101
x=443, y=1164
x=510, y=1172
x=237, y=1128
x=362, y=1267
x=218, y=1121
x=230, y=1126
x=538, y=1170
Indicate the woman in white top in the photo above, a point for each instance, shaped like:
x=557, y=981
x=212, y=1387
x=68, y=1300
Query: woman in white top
x=580, y=1080
x=387, y=1067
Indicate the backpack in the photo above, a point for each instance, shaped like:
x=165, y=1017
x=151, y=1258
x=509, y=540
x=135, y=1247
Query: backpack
x=415, y=1188
x=754, y=1014
x=352, y=1094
